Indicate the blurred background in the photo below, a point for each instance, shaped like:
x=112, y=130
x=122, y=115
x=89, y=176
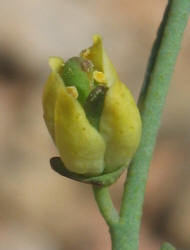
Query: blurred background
x=40, y=210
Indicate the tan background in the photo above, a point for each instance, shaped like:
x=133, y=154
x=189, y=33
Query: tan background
x=41, y=210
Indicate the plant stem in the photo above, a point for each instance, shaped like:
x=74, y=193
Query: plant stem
x=118, y=237
x=151, y=102
x=105, y=204
x=167, y=246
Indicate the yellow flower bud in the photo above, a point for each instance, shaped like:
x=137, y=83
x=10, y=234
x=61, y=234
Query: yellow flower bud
x=90, y=114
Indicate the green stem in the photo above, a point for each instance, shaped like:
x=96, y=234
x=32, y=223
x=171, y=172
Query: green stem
x=151, y=102
x=105, y=205
x=167, y=246
x=118, y=238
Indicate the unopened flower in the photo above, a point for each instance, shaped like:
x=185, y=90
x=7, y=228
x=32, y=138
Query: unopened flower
x=90, y=114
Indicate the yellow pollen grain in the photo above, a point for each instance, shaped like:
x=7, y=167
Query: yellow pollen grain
x=72, y=91
x=99, y=77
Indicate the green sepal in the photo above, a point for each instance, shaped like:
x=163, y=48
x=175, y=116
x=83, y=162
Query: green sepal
x=100, y=180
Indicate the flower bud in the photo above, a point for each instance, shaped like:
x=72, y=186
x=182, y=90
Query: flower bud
x=90, y=114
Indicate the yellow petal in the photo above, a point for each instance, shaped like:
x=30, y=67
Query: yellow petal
x=101, y=61
x=56, y=63
x=80, y=145
x=120, y=125
x=50, y=93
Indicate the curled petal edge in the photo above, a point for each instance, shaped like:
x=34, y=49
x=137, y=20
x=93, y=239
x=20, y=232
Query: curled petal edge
x=50, y=93
x=100, y=59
